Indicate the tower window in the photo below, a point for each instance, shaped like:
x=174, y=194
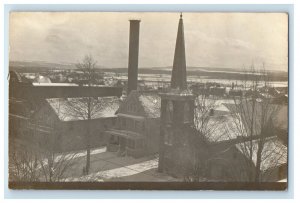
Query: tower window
x=168, y=137
x=169, y=112
x=187, y=112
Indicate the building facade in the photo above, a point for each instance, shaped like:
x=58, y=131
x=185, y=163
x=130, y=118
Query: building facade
x=136, y=132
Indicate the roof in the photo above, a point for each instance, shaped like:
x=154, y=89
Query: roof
x=274, y=153
x=221, y=128
x=74, y=109
x=216, y=104
x=126, y=133
x=275, y=113
x=149, y=101
x=41, y=79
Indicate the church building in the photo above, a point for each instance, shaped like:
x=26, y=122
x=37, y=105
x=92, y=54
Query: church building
x=177, y=112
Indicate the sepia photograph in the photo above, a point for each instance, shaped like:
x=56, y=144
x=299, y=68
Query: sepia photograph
x=148, y=100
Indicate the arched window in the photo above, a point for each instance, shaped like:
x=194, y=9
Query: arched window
x=168, y=137
x=187, y=112
x=169, y=112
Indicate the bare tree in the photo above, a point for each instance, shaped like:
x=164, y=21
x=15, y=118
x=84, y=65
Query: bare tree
x=52, y=163
x=205, y=119
x=36, y=156
x=205, y=131
x=249, y=127
x=86, y=107
x=254, y=116
x=23, y=163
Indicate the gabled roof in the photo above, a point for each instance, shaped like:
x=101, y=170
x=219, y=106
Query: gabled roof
x=74, y=109
x=221, y=128
x=149, y=102
x=261, y=113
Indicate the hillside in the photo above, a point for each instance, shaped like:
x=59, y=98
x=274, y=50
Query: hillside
x=208, y=72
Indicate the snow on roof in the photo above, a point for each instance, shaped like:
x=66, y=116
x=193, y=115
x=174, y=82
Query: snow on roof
x=42, y=79
x=221, y=128
x=126, y=134
x=274, y=152
x=275, y=113
x=73, y=109
x=151, y=103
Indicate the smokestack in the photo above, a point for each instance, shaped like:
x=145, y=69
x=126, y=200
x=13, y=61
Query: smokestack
x=133, y=55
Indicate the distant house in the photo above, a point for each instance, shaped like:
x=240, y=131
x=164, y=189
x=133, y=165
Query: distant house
x=68, y=118
x=136, y=132
x=41, y=79
x=235, y=93
x=217, y=91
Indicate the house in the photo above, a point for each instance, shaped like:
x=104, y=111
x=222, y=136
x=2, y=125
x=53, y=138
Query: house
x=136, y=132
x=67, y=118
x=269, y=130
x=224, y=150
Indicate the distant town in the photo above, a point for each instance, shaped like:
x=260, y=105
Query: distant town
x=148, y=79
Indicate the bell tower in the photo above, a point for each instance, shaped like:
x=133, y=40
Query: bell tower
x=177, y=112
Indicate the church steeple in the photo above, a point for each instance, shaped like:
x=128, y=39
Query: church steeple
x=178, y=80
x=177, y=113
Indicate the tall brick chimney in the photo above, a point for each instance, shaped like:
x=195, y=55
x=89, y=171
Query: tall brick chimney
x=133, y=55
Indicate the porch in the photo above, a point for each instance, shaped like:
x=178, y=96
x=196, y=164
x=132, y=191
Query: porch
x=126, y=143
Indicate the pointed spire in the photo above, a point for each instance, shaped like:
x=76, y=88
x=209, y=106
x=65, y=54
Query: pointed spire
x=178, y=79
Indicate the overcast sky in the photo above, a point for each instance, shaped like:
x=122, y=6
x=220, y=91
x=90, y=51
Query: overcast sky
x=228, y=40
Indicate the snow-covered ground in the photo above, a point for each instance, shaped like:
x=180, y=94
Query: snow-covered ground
x=73, y=155
x=119, y=172
x=108, y=166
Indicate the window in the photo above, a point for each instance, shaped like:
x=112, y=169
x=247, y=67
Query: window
x=130, y=124
x=131, y=144
x=128, y=107
x=113, y=122
x=136, y=125
x=169, y=112
x=131, y=107
x=114, y=140
x=187, y=113
x=168, y=137
x=123, y=122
